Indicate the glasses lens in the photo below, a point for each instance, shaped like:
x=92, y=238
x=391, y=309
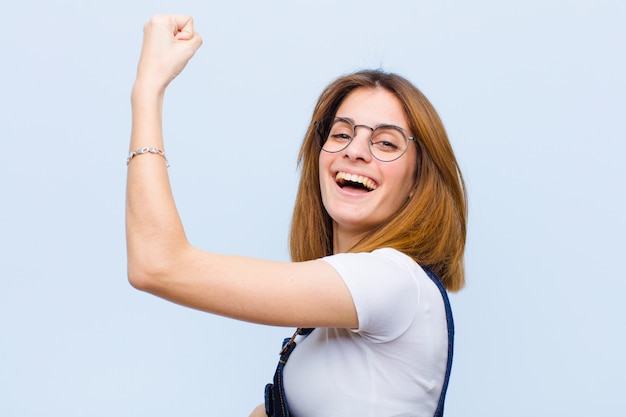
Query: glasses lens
x=388, y=142
x=340, y=135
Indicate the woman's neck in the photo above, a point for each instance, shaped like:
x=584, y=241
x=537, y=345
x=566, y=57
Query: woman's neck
x=344, y=241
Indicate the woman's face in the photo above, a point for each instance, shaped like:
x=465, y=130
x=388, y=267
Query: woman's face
x=359, y=191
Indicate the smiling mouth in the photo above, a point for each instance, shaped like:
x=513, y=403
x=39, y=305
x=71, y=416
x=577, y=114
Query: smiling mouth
x=344, y=179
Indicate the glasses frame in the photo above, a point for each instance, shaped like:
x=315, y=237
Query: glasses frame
x=322, y=138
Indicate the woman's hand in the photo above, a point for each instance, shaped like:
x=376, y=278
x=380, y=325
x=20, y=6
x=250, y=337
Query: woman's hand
x=169, y=43
x=259, y=411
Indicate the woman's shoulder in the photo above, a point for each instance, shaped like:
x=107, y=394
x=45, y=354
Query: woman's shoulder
x=384, y=260
x=386, y=271
x=388, y=289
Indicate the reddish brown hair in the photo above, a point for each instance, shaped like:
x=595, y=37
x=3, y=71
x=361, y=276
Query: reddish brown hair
x=430, y=227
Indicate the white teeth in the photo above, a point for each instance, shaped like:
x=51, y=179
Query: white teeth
x=368, y=183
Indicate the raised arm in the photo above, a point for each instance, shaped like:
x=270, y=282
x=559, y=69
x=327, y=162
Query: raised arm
x=160, y=258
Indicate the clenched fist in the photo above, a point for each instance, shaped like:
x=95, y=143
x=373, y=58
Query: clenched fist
x=169, y=43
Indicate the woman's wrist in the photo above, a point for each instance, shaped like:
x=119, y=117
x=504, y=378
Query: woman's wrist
x=147, y=113
x=146, y=90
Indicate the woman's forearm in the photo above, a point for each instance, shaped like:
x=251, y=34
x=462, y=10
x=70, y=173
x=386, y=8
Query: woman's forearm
x=154, y=231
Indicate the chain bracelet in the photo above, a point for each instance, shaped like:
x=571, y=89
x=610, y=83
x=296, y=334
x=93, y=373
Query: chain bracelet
x=142, y=151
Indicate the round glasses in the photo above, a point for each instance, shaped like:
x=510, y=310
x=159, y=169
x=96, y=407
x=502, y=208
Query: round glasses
x=386, y=142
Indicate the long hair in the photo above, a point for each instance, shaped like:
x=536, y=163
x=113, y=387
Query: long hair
x=430, y=227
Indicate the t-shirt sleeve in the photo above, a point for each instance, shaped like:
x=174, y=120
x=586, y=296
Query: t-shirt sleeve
x=384, y=289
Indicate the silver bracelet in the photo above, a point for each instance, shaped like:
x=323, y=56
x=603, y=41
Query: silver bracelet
x=141, y=151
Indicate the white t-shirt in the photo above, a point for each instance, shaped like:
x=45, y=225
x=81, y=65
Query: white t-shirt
x=394, y=364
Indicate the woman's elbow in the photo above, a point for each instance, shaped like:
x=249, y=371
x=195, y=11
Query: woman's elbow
x=138, y=279
x=148, y=270
x=141, y=278
x=147, y=274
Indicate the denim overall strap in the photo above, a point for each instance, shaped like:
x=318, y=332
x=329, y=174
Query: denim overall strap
x=275, y=399
x=442, y=398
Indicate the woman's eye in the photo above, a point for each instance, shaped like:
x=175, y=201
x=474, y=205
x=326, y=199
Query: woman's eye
x=340, y=136
x=383, y=144
x=388, y=139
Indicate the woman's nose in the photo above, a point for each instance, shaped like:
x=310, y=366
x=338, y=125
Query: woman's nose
x=359, y=147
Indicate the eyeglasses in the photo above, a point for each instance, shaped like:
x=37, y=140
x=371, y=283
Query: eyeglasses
x=386, y=142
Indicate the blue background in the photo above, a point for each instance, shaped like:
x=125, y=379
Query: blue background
x=532, y=94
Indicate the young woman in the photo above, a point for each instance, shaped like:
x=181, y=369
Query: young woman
x=380, y=210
